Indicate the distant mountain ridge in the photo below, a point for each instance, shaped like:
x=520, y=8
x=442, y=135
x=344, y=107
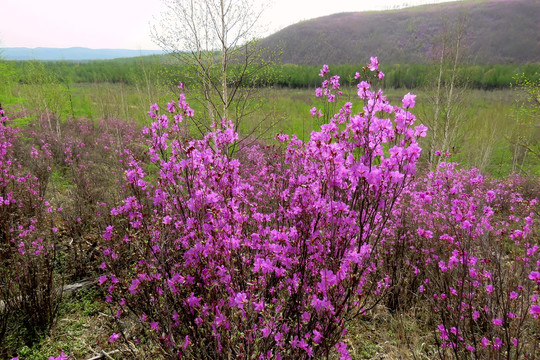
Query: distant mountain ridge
x=70, y=54
x=499, y=32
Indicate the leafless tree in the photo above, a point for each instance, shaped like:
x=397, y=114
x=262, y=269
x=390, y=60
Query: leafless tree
x=447, y=92
x=215, y=41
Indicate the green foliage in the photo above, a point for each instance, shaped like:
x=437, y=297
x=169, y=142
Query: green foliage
x=161, y=70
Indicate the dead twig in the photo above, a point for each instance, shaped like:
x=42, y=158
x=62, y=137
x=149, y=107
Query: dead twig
x=104, y=355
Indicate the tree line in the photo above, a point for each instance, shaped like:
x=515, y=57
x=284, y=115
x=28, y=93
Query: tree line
x=132, y=71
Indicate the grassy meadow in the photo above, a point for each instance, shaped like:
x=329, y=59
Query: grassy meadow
x=488, y=119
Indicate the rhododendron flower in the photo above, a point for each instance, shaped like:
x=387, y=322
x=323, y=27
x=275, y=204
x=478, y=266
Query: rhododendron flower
x=534, y=275
x=114, y=337
x=497, y=321
x=374, y=63
x=239, y=300
x=317, y=337
x=324, y=70
x=341, y=348
x=535, y=309
x=62, y=356
x=409, y=100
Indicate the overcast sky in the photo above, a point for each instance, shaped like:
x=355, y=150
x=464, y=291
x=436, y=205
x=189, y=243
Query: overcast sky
x=125, y=24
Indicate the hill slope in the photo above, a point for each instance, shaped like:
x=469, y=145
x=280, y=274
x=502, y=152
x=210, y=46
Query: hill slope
x=498, y=31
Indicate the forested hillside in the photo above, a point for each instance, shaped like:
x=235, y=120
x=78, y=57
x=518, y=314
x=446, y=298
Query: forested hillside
x=497, y=32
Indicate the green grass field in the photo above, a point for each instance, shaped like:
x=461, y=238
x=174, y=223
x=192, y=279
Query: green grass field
x=486, y=129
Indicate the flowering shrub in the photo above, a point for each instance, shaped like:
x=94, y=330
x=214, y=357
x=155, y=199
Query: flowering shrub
x=90, y=158
x=471, y=250
x=265, y=258
x=27, y=253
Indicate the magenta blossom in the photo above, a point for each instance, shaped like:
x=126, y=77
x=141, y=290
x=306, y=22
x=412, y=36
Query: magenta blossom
x=409, y=101
x=374, y=63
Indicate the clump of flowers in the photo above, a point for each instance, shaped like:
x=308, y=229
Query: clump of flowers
x=27, y=240
x=268, y=257
x=468, y=246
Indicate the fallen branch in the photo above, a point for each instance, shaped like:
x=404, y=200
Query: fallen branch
x=104, y=355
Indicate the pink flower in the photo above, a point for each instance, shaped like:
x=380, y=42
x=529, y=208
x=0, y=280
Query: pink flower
x=317, y=337
x=535, y=309
x=62, y=356
x=324, y=70
x=534, y=275
x=239, y=300
x=114, y=337
x=409, y=100
x=420, y=130
x=341, y=348
x=497, y=321
x=374, y=63
x=102, y=279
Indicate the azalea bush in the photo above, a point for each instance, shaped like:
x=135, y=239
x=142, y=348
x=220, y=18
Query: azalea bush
x=88, y=161
x=268, y=257
x=27, y=252
x=468, y=247
x=56, y=185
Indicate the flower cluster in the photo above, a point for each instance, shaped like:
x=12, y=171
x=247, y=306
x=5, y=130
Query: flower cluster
x=468, y=247
x=267, y=256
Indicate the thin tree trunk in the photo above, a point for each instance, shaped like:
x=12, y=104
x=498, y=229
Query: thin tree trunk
x=437, y=107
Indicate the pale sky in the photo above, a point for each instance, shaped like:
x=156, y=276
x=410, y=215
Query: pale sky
x=125, y=24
